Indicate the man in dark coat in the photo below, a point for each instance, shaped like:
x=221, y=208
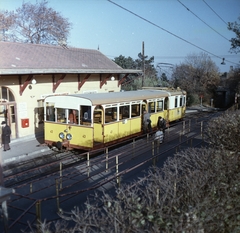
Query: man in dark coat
x=6, y=133
x=161, y=124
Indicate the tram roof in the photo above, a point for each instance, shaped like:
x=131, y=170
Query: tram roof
x=127, y=96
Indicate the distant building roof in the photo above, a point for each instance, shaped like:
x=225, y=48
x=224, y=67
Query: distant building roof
x=20, y=58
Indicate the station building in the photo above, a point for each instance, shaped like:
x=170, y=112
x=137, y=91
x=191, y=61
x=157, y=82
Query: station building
x=30, y=72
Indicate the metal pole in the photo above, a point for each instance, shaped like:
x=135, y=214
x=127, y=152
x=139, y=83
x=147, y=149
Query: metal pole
x=143, y=64
x=1, y=170
x=60, y=175
x=133, y=154
x=180, y=139
x=118, y=181
x=57, y=194
x=88, y=163
x=106, y=159
x=153, y=160
x=5, y=216
x=38, y=214
x=184, y=127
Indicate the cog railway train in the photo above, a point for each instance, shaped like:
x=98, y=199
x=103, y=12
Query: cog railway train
x=92, y=121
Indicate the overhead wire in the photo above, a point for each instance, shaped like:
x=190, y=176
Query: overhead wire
x=148, y=21
x=215, y=13
x=202, y=20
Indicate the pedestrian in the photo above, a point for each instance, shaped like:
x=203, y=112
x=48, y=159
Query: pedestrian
x=6, y=133
x=161, y=124
x=146, y=122
x=159, y=136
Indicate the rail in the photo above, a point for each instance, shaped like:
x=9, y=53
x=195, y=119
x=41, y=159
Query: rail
x=105, y=171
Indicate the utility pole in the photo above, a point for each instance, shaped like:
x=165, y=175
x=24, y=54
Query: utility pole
x=143, y=64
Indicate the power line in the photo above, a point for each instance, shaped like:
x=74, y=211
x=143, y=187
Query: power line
x=148, y=21
x=203, y=21
x=215, y=13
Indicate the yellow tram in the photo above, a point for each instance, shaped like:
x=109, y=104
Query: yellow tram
x=90, y=121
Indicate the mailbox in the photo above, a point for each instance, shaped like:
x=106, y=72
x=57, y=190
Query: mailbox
x=25, y=123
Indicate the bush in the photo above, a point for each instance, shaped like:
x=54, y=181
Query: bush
x=224, y=131
x=197, y=190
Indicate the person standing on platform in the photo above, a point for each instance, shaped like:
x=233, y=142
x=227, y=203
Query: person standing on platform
x=6, y=133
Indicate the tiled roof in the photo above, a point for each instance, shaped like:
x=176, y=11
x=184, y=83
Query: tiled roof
x=35, y=58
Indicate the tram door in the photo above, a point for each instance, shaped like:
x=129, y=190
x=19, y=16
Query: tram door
x=98, y=126
x=144, y=108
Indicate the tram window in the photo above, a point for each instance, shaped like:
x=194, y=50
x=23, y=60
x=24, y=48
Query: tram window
x=151, y=107
x=124, y=112
x=50, y=112
x=110, y=114
x=97, y=116
x=159, y=105
x=181, y=101
x=135, y=110
x=176, y=102
x=73, y=116
x=61, y=115
x=86, y=116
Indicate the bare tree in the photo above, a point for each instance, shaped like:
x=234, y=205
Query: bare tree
x=39, y=24
x=235, y=42
x=7, y=19
x=198, y=75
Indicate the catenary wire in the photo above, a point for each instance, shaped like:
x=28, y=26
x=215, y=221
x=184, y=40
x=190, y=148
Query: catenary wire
x=215, y=12
x=202, y=20
x=148, y=21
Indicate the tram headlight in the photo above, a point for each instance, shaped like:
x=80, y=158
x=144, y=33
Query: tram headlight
x=69, y=136
x=61, y=135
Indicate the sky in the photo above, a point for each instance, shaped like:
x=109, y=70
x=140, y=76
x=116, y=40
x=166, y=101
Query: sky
x=170, y=29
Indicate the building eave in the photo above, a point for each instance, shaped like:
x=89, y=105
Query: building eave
x=67, y=71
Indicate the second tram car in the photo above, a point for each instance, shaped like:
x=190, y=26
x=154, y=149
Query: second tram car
x=91, y=121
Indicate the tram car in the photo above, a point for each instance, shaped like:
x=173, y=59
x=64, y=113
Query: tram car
x=91, y=121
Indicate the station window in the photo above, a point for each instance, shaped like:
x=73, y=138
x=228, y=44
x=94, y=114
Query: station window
x=159, y=105
x=110, y=114
x=135, y=110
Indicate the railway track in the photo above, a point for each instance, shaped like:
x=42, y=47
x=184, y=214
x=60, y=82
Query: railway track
x=20, y=173
x=63, y=180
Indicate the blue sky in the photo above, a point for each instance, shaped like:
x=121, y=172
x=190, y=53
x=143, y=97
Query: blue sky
x=163, y=26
